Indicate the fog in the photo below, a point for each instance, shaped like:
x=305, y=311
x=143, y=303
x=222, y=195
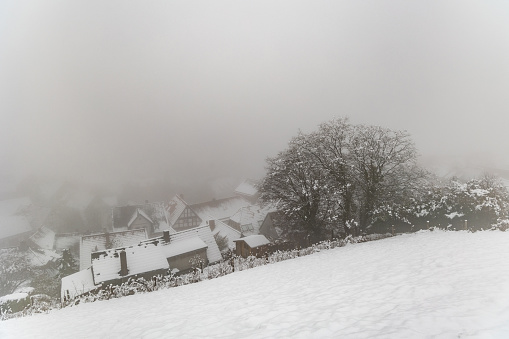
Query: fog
x=190, y=90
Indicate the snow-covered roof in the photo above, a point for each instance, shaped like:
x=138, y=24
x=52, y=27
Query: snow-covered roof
x=184, y=246
x=154, y=212
x=44, y=238
x=13, y=297
x=137, y=213
x=140, y=258
x=219, y=209
x=204, y=233
x=77, y=283
x=225, y=231
x=175, y=207
x=14, y=217
x=254, y=240
x=247, y=187
x=250, y=218
x=98, y=242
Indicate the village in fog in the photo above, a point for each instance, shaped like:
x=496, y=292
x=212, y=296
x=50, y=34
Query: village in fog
x=338, y=168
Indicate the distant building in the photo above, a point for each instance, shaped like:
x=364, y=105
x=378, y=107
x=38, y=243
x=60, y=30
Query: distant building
x=181, y=216
x=247, y=189
x=221, y=230
x=255, y=245
x=150, y=216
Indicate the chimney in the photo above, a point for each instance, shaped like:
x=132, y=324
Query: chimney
x=166, y=236
x=146, y=201
x=212, y=224
x=181, y=195
x=123, y=263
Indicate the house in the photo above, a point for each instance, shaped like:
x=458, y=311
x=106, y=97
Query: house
x=247, y=189
x=150, y=216
x=15, y=217
x=220, y=209
x=251, y=245
x=220, y=231
x=249, y=219
x=77, y=284
x=115, y=266
x=181, y=246
x=43, y=238
x=102, y=241
x=145, y=259
x=181, y=216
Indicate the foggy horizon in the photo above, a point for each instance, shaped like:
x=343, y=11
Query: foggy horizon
x=185, y=91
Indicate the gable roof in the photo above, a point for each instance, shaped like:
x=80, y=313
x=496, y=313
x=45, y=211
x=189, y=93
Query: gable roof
x=250, y=218
x=137, y=213
x=254, y=241
x=225, y=231
x=184, y=246
x=14, y=217
x=155, y=212
x=97, y=242
x=175, y=207
x=141, y=258
x=43, y=238
x=203, y=232
x=77, y=283
x=219, y=209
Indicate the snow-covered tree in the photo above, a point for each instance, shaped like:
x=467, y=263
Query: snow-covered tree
x=299, y=188
x=385, y=169
x=66, y=264
x=342, y=176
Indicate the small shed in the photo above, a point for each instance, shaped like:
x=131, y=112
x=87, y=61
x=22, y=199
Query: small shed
x=251, y=245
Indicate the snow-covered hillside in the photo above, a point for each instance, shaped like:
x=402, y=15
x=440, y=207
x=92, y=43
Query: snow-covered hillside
x=429, y=284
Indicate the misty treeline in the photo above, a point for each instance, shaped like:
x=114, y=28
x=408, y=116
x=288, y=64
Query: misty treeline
x=353, y=179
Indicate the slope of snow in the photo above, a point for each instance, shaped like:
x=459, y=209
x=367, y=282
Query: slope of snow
x=423, y=285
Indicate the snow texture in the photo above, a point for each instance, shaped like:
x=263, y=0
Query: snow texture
x=423, y=285
x=225, y=231
x=184, y=246
x=77, y=283
x=219, y=209
x=255, y=240
x=140, y=259
x=98, y=242
x=13, y=297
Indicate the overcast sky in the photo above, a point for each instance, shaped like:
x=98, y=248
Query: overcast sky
x=124, y=89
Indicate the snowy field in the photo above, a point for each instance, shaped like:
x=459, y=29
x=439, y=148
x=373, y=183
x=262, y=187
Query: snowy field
x=424, y=285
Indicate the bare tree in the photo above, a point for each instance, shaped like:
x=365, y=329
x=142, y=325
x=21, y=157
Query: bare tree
x=384, y=165
x=298, y=187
